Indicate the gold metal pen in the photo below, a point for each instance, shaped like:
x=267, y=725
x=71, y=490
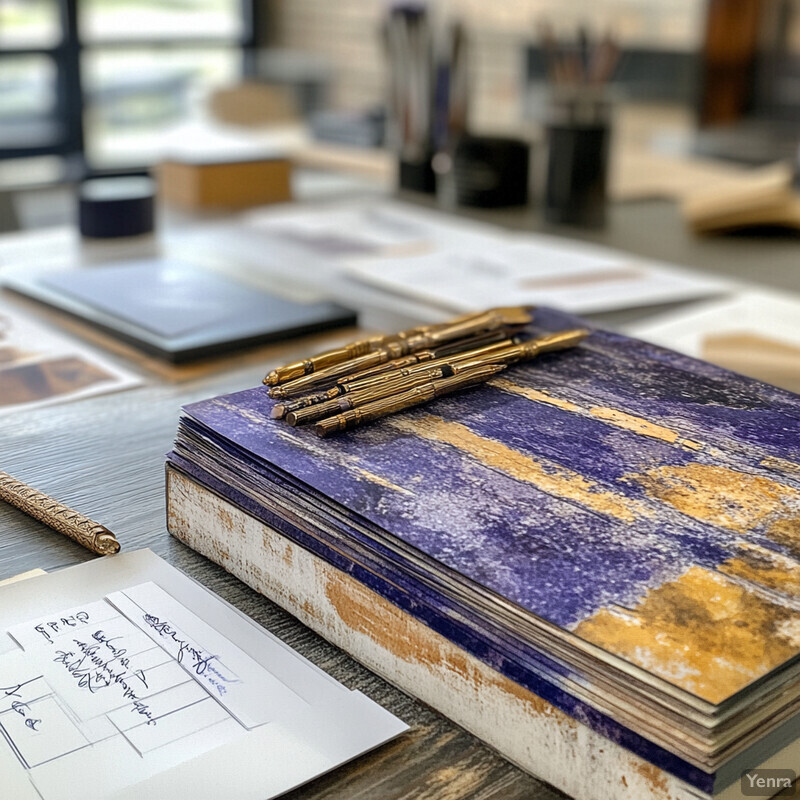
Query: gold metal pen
x=284, y=409
x=329, y=358
x=560, y=340
x=361, y=347
x=55, y=515
x=367, y=394
x=392, y=356
x=329, y=375
x=441, y=351
x=392, y=372
x=414, y=397
x=453, y=357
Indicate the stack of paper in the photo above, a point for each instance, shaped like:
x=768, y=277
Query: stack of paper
x=461, y=265
x=614, y=528
x=123, y=678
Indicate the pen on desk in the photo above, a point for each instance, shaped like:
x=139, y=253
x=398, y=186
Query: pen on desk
x=55, y=515
x=414, y=397
x=367, y=394
x=360, y=393
x=348, y=352
x=522, y=351
x=490, y=321
x=417, y=363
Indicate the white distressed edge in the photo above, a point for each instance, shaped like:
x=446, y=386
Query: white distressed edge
x=528, y=731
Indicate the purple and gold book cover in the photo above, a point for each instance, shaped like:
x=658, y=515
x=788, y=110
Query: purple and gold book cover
x=639, y=501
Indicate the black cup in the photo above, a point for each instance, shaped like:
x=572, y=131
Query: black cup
x=578, y=140
x=491, y=171
x=417, y=176
x=114, y=207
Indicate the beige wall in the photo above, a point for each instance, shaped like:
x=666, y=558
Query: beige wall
x=347, y=33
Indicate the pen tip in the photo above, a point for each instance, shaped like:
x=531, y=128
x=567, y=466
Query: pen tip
x=271, y=378
x=561, y=340
x=516, y=315
x=278, y=411
x=107, y=543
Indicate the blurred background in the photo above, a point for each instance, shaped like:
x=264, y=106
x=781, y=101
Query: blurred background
x=94, y=85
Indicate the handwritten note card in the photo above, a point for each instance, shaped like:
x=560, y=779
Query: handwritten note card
x=100, y=696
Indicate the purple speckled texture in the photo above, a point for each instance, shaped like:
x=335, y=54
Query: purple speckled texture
x=388, y=504
x=524, y=665
x=478, y=521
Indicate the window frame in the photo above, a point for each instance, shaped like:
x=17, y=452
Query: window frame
x=66, y=56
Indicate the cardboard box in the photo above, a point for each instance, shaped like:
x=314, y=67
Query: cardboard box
x=198, y=186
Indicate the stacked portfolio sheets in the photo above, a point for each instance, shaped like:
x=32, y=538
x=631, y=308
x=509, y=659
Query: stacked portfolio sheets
x=615, y=528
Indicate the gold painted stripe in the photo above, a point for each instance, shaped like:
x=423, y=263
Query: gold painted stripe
x=244, y=413
x=764, y=568
x=789, y=467
x=702, y=632
x=547, y=476
x=727, y=498
x=612, y=416
x=534, y=394
x=350, y=462
x=380, y=481
x=642, y=426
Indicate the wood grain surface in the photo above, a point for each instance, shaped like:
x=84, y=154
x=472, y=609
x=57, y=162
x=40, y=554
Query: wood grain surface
x=105, y=457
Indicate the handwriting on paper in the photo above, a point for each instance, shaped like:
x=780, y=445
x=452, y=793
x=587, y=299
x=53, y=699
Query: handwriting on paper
x=21, y=695
x=201, y=662
x=97, y=661
x=226, y=672
x=57, y=626
x=95, y=668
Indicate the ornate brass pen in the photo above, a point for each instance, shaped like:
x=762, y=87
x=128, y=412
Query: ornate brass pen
x=368, y=394
x=320, y=361
x=346, y=352
x=57, y=516
x=390, y=373
x=442, y=351
x=443, y=355
x=444, y=331
x=283, y=410
x=378, y=387
x=413, y=397
x=394, y=355
x=561, y=340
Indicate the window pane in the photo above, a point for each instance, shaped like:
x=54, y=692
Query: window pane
x=160, y=19
x=27, y=101
x=29, y=23
x=136, y=100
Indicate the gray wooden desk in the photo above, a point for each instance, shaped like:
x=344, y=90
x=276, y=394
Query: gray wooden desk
x=105, y=456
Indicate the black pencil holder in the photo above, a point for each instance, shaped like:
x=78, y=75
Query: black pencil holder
x=417, y=176
x=491, y=171
x=578, y=141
